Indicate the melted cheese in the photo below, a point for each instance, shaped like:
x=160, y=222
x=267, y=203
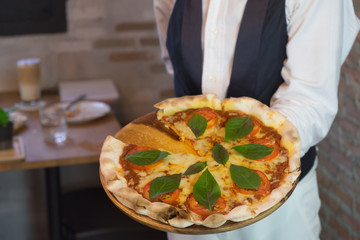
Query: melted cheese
x=179, y=163
x=185, y=131
x=203, y=146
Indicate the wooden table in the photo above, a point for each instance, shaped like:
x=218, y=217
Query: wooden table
x=83, y=146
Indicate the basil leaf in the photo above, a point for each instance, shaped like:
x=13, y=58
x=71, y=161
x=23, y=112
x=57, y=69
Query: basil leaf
x=197, y=124
x=244, y=177
x=206, y=190
x=148, y=157
x=253, y=151
x=220, y=154
x=195, y=168
x=238, y=127
x=165, y=184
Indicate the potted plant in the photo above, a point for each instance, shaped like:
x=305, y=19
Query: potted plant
x=6, y=130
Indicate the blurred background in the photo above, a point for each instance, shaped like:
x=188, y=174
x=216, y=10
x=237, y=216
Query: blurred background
x=82, y=40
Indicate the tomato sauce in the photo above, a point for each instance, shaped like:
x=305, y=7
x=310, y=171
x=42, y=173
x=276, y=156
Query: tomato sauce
x=131, y=177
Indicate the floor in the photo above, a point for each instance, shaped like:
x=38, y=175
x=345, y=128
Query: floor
x=86, y=209
x=22, y=205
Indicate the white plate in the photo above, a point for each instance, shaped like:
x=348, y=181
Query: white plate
x=86, y=111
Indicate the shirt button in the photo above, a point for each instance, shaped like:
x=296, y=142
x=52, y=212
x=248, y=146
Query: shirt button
x=215, y=31
x=212, y=79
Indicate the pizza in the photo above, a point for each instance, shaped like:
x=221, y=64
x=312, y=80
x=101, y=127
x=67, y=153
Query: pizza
x=203, y=161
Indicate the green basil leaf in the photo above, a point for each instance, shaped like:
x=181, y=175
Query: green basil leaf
x=206, y=190
x=220, y=154
x=195, y=168
x=245, y=177
x=148, y=157
x=238, y=127
x=165, y=184
x=197, y=124
x=253, y=151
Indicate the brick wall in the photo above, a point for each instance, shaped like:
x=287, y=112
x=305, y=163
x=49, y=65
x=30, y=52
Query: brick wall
x=339, y=155
x=114, y=39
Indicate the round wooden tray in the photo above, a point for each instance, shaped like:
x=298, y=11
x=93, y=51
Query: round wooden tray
x=149, y=131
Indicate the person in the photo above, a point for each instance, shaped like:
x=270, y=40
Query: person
x=285, y=53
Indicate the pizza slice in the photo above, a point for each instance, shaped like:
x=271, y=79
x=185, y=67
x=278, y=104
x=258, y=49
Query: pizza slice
x=195, y=119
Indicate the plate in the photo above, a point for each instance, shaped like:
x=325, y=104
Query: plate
x=149, y=130
x=85, y=111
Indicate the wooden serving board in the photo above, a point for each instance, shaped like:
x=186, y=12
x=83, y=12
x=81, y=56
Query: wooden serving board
x=147, y=131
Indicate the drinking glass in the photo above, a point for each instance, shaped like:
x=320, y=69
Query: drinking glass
x=53, y=124
x=29, y=80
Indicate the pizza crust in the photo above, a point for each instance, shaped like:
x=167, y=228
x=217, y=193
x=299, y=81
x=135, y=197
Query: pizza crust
x=174, y=105
x=253, y=107
x=291, y=141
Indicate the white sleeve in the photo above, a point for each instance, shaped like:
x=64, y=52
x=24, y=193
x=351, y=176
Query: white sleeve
x=321, y=34
x=162, y=11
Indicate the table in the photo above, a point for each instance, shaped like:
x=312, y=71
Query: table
x=83, y=146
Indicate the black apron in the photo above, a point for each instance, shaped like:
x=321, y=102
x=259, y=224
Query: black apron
x=259, y=53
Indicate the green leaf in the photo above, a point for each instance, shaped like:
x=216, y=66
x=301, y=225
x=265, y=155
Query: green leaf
x=253, y=151
x=206, y=190
x=197, y=124
x=238, y=127
x=165, y=184
x=195, y=168
x=4, y=117
x=244, y=177
x=148, y=157
x=220, y=154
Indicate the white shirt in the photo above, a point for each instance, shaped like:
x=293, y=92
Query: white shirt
x=320, y=33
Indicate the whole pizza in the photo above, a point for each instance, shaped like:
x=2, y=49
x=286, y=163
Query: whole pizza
x=230, y=160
